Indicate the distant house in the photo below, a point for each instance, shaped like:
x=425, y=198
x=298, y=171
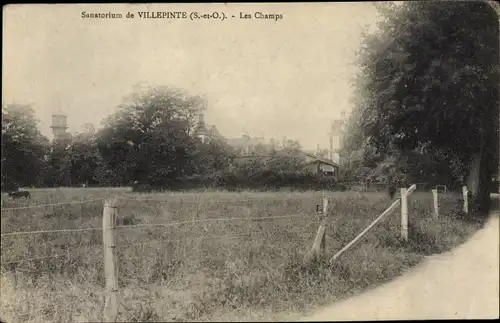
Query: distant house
x=204, y=133
x=321, y=166
x=316, y=164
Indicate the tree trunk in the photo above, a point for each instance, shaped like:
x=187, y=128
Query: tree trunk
x=483, y=165
x=472, y=181
x=486, y=171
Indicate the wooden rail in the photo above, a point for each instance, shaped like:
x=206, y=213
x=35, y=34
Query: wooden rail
x=389, y=210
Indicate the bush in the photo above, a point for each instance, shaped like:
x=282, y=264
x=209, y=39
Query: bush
x=266, y=180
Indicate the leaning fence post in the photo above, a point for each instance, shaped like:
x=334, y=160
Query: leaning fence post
x=404, y=214
x=110, y=261
x=466, y=199
x=436, y=204
x=318, y=247
x=359, y=236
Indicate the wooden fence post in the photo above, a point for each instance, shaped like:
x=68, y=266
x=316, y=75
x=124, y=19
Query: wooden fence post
x=404, y=214
x=110, y=260
x=436, y=203
x=318, y=248
x=322, y=249
x=465, y=194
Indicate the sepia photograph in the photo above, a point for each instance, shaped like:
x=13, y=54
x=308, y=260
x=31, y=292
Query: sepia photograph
x=250, y=162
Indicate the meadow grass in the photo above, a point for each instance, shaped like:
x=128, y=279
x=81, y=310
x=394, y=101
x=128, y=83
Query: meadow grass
x=210, y=269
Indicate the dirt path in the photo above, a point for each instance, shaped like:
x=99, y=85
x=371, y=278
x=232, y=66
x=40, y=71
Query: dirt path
x=460, y=284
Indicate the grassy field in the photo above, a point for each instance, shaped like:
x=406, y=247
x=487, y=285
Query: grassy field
x=209, y=270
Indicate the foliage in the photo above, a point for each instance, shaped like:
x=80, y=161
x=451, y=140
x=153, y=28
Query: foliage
x=428, y=90
x=85, y=158
x=23, y=147
x=151, y=141
x=59, y=161
x=212, y=156
x=148, y=139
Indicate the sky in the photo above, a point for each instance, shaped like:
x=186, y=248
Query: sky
x=286, y=78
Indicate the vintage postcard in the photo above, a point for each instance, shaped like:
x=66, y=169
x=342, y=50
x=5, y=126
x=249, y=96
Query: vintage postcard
x=250, y=162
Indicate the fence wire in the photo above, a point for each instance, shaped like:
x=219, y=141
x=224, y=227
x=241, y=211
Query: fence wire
x=48, y=231
x=47, y=205
x=153, y=224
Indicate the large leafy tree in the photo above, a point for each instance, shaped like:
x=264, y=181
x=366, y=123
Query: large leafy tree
x=212, y=156
x=59, y=162
x=429, y=82
x=84, y=157
x=148, y=139
x=23, y=147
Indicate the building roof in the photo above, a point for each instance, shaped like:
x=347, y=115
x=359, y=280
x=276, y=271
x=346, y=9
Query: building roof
x=325, y=162
x=215, y=132
x=203, y=130
x=317, y=159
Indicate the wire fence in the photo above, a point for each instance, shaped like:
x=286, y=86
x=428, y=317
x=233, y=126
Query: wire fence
x=169, y=224
x=48, y=205
x=185, y=249
x=121, y=198
x=312, y=217
x=133, y=226
x=162, y=240
x=48, y=231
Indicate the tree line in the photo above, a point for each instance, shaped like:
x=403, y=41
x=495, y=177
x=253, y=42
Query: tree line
x=151, y=139
x=425, y=109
